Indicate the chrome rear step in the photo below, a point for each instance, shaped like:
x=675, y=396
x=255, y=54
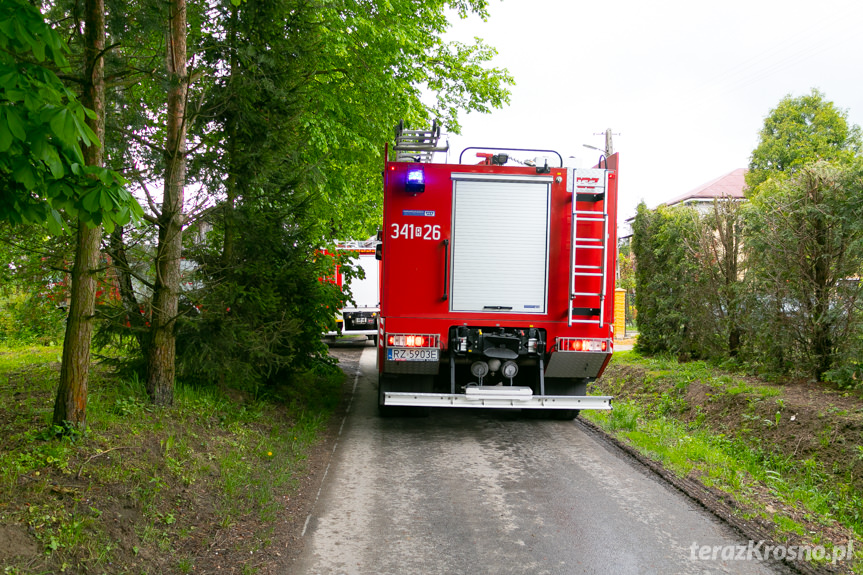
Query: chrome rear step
x=504, y=397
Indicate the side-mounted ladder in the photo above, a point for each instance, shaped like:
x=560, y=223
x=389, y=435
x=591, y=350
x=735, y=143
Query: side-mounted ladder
x=417, y=145
x=589, y=238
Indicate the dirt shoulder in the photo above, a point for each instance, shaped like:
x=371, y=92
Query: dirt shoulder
x=308, y=488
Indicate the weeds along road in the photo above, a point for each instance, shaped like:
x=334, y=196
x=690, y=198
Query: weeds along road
x=469, y=491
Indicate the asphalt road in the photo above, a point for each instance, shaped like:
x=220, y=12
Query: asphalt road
x=469, y=491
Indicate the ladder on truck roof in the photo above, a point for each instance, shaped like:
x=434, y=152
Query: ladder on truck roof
x=417, y=145
x=588, y=186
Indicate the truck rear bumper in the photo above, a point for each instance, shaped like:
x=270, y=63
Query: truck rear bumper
x=360, y=321
x=497, y=397
x=360, y=331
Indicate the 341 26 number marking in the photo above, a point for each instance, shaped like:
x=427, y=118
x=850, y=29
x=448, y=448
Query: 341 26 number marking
x=415, y=232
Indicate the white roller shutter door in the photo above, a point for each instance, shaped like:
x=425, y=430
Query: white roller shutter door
x=365, y=291
x=500, y=243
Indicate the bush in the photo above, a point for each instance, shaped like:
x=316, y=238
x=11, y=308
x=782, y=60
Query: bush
x=804, y=245
x=30, y=318
x=248, y=321
x=673, y=315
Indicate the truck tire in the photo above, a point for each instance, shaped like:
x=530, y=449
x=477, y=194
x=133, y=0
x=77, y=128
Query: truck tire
x=563, y=386
x=418, y=384
x=562, y=414
x=415, y=383
x=385, y=384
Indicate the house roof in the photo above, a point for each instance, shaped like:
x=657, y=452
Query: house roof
x=728, y=186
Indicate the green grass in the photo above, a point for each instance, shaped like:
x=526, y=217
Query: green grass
x=214, y=458
x=31, y=357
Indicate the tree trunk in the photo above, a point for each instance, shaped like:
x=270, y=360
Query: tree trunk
x=162, y=348
x=732, y=277
x=822, y=340
x=70, y=406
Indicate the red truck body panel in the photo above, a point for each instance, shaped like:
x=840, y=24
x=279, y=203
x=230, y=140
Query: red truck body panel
x=423, y=247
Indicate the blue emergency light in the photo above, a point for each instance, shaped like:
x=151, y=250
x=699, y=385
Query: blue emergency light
x=415, y=182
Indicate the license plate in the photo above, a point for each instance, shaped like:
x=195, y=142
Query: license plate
x=359, y=320
x=410, y=354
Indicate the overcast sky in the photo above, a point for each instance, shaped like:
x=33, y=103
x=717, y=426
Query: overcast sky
x=685, y=83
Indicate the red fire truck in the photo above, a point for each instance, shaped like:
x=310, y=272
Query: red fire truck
x=360, y=314
x=497, y=280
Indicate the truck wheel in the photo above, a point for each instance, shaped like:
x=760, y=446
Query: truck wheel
x=563, y=414
x=551, y=414
x=563, y=386
x=416, y=383
x=385, y=384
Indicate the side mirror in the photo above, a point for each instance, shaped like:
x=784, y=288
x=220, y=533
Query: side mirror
x=379, y=252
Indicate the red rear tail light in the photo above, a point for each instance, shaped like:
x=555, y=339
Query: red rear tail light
x=412, y=340
x=578, y=344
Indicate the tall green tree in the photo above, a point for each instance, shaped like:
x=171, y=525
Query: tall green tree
x=162, y=346
x=70, y=405
x=304, y=96
x=315, y=88
x=804, y=244
x=43, y=170
x=718, y=247
x=800, y=235
x=799, y=131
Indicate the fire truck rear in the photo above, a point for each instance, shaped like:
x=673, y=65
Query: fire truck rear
x=497, y=280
